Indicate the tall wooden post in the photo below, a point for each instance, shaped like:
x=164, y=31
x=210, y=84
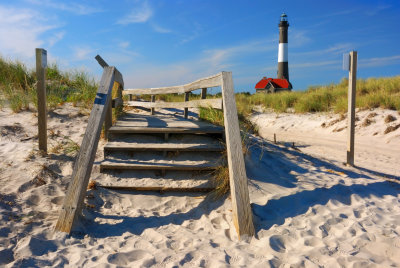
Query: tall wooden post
x=203, y=93
x=241, y=210
x=351, y=113
x=186, y=110
x=41, y=64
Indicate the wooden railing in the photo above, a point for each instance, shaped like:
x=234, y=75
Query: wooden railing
x=203, y=84
x=111, y=81
x=242, y=215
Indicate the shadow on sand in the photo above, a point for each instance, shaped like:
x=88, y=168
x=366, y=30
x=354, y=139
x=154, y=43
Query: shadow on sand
x=278, y=163
x=269, y=163
x=277, y=210
x=136, y=225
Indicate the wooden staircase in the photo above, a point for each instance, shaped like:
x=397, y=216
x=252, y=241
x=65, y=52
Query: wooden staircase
x=156, y=151
x=158, y=144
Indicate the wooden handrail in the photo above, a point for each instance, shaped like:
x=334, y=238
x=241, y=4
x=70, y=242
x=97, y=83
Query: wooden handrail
x=213, y=103
x=118, y=76
x=74, y=198
x=116, y=94
x=211, y=81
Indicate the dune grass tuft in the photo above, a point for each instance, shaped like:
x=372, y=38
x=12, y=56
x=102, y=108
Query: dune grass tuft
x=18, y=86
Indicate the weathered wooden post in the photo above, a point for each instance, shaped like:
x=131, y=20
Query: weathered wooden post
x=241, y=210
x=41, y=64
x=73, y=201
x=351, y=113
x=203, y=93
x=186, y=110
x=153, y=99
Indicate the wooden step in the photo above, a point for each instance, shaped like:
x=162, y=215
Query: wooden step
x=134, y=146
x=167, y=123
x=162, y=184
x=160, y=189
x=120, y=164
x=168, y=130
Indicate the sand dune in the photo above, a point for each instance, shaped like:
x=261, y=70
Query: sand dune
x=309, y=209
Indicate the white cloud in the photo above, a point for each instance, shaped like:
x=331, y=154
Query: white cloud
x=55, y=38
x=333, y=50
x=379, y=61
x=207, y=63
x=219, y=58
x=139, y=14
x=316, y=64
x=83, y=53
x=376, y=10
x=20, y=31
x=160, y=29
x=124, y=44
x=298, y=38
x=75, y=8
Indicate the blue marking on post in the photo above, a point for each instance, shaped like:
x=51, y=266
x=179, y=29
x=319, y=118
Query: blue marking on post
x=100, y=99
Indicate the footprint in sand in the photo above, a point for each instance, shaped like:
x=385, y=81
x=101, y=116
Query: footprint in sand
x=359, y=213
x=278, y=243
x=33, y=200
x=57, y=200
x=140, y=257
x=313, y=242
x=219, y=223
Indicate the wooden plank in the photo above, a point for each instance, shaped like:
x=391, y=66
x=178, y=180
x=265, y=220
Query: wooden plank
x=203, y=93
x=73, y=201
x=213, y=103
x=41, y=64
x=241, y=210
x=159, y=188
x=119, y=79
x=186, y=110
x=133, y=146
x=195, y=130
x=211, y=81
x=351, y=112
x=102, y=62
x=137, y=165
x=117, y=76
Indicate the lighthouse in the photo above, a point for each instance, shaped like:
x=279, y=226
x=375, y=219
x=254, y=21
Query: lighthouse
x=283, y=66
x=272, y=85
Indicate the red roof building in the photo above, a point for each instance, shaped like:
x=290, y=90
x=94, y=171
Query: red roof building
x=272, y=85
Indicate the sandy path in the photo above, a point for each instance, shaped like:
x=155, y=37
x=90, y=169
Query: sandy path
x=379, y=152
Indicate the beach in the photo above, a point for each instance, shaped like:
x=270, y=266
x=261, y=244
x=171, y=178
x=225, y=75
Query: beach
x=309, y=209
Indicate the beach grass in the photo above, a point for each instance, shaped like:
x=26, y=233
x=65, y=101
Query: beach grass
x=18, y=86
x=18, y=90
x=381, y=92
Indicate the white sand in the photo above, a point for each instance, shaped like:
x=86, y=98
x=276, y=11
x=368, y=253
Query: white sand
x=309, y=209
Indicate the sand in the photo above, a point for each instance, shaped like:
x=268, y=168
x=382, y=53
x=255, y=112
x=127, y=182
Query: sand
x=309, y=209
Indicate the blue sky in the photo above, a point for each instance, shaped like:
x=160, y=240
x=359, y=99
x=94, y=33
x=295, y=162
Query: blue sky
x=168, y=42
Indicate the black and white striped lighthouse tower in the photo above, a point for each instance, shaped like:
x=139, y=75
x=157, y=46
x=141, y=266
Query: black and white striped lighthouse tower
x=283, y=66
